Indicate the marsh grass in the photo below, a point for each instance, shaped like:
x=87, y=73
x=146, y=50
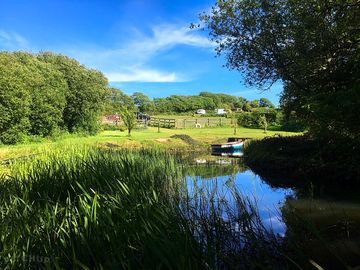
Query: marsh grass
x=87, y=208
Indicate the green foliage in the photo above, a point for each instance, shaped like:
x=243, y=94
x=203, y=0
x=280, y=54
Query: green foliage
x=118, y=101
x=48, y=96
x=46, y=93
x=303, y=158
x=143, y=102
x=15, y=99
x=181, y=104
x=86, y=96
x=264, y=102
x=111, y=127
x=259, y=116
x=208, y=101
x=312, y=46
x=129, y=119
x=291, y=122
x=263, y=122
x=222, y=99
x=248, y=119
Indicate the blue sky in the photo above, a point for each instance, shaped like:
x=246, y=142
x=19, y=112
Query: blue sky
x=140, y=45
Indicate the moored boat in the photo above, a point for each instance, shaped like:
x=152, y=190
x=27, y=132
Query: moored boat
x=227, y=146
x=232, y=148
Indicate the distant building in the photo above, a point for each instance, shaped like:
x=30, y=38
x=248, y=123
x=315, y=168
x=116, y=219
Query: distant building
x=220, y=111
x=111, y=119
x=201, y=111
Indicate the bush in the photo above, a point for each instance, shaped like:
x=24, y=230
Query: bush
x=248, y=119
x=113, y=127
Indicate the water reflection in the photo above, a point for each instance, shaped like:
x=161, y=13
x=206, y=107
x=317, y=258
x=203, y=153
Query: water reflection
x=317, y=224
x=225, y=175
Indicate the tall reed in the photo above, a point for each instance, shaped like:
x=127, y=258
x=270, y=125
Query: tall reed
x=97, y=209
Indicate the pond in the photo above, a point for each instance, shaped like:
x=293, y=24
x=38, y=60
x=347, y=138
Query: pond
x=213, y=177
x=289, y=211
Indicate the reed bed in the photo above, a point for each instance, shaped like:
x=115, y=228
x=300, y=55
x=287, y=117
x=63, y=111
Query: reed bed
x=101, y=209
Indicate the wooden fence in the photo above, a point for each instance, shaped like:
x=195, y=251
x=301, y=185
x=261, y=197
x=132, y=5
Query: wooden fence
x=190, y=122
x=162, y=122
x=204, y=122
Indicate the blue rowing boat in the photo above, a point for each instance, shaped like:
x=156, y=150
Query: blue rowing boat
x=227, y=146
x=233, y=148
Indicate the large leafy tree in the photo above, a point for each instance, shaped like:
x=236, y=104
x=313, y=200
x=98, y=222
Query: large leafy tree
x=266, y=103
x=143, y=102
x=311, y=45
x=118, y=101
x=48, y=89
x=86, y=95
x=15, y=99
x=32, y=97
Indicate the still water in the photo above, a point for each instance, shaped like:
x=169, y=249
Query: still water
x=223, y=175
x=324, y=222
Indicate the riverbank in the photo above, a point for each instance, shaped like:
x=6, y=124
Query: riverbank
x=304, y=160
x=140, y=138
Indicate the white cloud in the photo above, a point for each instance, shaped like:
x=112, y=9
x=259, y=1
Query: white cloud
x=142, y=75
x=131, y=60
x=168, y=36
x=139, y=51
x=12, y=41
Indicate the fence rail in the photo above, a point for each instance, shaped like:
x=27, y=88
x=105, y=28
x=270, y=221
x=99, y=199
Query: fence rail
x=203, y=122
x=189, y=123
x=162, y=122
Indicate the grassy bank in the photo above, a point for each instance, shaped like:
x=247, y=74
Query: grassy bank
x=97, y=209
x=149, y=138
x=305, y=160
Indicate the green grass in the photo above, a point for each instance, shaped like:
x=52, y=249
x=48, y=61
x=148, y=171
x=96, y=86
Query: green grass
x=139, y=138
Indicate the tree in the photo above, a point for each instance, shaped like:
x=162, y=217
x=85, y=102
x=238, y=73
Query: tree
x=311, y=46
x=264, y=102
x=240, y=103
x=129, y=120
x=263, y=122
x=86, y=95
x=163, y=105
x=254, y=104
x=48, y=90
x=143, y=102
x=118, y=101
x=15, y=99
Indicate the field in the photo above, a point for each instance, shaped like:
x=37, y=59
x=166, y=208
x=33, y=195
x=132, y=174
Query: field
x=149, y=137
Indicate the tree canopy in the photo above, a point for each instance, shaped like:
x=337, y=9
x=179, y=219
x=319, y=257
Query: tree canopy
x=42, y=94
x=311, y=46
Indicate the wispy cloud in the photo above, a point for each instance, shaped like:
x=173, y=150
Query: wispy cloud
x=131, y=60
x=139, y=52
x=168, y=36
x=12, y=41
x=143, y=75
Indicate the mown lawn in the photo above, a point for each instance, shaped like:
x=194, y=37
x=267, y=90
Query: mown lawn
x=139, y=138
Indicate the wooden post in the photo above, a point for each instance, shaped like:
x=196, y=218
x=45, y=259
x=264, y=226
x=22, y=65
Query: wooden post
x=208, y=122
x=159, y=125
x=220, y=121
x=184, y=123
